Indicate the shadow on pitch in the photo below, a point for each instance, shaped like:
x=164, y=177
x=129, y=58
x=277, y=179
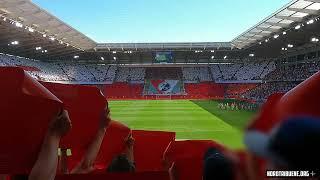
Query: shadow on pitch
x=237, y=119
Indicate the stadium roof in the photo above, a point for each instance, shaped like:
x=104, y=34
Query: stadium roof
x=23, y=22
x=164, y=46
x=31, y=15
x=294, y=12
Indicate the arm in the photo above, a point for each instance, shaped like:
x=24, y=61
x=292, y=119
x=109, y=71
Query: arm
x=86, y=165
x=173, y=172
x=129, y=149
x=63, y=162
x=46, y=164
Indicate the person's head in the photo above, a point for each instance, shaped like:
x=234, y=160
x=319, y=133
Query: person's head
x=217, y=166
x=121, y=164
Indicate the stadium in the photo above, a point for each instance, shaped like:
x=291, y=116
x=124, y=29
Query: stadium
x=175, y=100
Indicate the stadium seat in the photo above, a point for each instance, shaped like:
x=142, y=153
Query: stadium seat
x=149, y=148
x=123, y=176
x=26, y=108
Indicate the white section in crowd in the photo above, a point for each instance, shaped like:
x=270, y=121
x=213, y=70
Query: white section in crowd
x=241, y=72
x=126, y=74
x=198, y=74
x=104, y=73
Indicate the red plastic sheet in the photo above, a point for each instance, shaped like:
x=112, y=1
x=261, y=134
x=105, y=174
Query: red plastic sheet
x=26, y=109
x=266, y=119
x=189, y=168
x=188, y=157
x=303, y=100
x=124, y=176
x=149, y=148
x=113, y=144
x=85, y=106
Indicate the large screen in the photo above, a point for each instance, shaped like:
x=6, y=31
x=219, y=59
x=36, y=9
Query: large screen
x=164, y=57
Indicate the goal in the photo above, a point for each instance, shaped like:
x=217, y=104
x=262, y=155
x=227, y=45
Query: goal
x=163, y=97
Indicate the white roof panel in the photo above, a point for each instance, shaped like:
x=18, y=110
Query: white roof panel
x=299, y=15
x=275, y=27
x=295, y=11
x=315, y=6
x=44, y=22
x=285, y=21
x=286, y=13
x=301, y=4
x=274, y=20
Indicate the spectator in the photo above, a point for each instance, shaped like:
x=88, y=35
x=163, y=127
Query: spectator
x=121, y=163
x=291, y=146
x=46, y=164
x=218, y=166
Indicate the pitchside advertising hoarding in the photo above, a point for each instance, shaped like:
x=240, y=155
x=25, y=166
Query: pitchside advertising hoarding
x=164, y=57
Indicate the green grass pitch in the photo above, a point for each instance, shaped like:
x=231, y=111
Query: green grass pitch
x=189, y=119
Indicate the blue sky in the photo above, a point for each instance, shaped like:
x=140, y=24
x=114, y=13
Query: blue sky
x=161, y=20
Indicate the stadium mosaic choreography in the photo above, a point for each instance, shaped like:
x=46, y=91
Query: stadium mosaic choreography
x=73, y=108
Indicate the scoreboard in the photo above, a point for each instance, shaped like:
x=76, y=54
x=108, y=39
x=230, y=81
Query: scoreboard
x=164, y=57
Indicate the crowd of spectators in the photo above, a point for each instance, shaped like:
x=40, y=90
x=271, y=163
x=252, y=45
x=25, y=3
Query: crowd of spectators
x=164, y=73
x=103, y=73
x=294, y=72
x=126, y=74
x=241, y=72
x=199, y=74
x=263, y=91
x=83, y=73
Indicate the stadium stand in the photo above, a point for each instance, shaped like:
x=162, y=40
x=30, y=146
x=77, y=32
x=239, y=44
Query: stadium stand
x=164, y=73
x=263, y=91
x=122, y=90
x=242, y=72
x=125, y=74
x=128, y=82
x=236, y=90
x=196, y=74
x=294, y=72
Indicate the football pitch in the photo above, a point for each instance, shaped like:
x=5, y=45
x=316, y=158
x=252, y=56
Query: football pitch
x=189, y=119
